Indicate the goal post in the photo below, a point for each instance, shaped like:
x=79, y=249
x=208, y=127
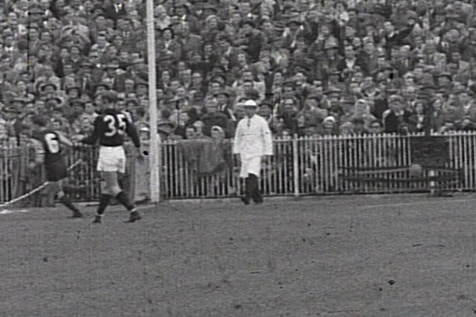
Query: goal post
x=154, y=151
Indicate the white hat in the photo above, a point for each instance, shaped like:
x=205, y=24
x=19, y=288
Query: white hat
x=329, y=119
x=250, y=103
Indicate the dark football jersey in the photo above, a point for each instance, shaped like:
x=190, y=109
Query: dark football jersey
x=51, y=146
x=110, y=128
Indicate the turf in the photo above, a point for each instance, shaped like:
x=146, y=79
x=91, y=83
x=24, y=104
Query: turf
x=363, y=256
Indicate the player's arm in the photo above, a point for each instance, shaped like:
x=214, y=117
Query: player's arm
x=94, y=136
x=64, y=140
x=131, y=130
x=39, y=154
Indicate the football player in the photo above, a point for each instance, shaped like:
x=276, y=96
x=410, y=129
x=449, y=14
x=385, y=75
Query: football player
x=109, y=129
x=49, y=150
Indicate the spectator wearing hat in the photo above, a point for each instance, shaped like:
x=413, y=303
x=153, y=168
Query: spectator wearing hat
x=190, y=42
x=244, y=81
x=141, y=89
x=13, y=118
x=393, y=37
x=361, y=110
x=182, y=11
x=463, y=67
x=346, y=105
x=224, y=104
x=443, y=79
x=213, y=116
x=211, y=28
x=162, y=19
x=101, y=43
x=115, y=11
x=49, y=89
x=252, y=142
x=468, y=104
x=410, y=95
x=73, y=92
x=294, y=29
x=249, y=10
x=329, y=126
x=452, y=111
x=347, y=128
x=85, y=81
x=401, y=60
x=168, y=47
x=331, y=58
x=250, y=40
x=312, y=111
x=265, y=110
x=111, y=74
x=288, y=111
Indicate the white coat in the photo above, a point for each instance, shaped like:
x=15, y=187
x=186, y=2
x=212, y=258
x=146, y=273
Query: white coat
x=252, y=141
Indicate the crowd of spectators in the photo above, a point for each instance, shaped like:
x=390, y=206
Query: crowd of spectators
x=317, y=67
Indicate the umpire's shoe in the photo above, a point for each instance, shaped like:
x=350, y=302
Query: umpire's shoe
x=97, y=219
x=134, y=216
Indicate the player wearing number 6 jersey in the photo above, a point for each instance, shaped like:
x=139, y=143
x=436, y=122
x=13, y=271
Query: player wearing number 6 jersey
x=48, y=146
x=109, y=129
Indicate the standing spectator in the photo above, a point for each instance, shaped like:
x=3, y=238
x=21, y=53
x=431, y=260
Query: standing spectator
x=212, y=116
x=115, y=11
x=396, y=116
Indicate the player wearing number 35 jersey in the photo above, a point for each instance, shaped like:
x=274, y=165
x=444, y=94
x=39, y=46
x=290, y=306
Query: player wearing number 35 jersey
x=48, y=146
x=110, y=128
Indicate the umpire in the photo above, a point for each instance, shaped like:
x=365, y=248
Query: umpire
x=252, y=142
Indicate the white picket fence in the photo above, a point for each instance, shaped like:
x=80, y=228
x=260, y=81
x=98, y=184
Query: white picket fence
x=299, y=166
x=307, y=166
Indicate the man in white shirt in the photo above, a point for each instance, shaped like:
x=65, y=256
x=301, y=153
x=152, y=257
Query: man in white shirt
x=253, y=141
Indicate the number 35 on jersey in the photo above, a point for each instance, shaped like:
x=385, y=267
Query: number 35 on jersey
x=116, y=124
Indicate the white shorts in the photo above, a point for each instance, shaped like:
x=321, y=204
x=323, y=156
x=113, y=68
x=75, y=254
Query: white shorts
x=112, y=159
x=250, y=165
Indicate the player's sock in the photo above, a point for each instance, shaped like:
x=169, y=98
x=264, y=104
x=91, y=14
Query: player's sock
x=69, y=204
x=125, y=201
x=103, y=203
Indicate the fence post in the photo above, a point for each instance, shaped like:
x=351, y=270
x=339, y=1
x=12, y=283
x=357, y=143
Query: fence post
x=295, y=165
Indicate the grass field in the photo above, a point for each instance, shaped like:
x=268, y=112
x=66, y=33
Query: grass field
x=405, y=256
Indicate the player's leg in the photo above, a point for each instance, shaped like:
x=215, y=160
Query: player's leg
x=105, y=163
x=104, y=201
x=111, y=162
x=58, y=187
x=55, y=174
x=112, y=183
